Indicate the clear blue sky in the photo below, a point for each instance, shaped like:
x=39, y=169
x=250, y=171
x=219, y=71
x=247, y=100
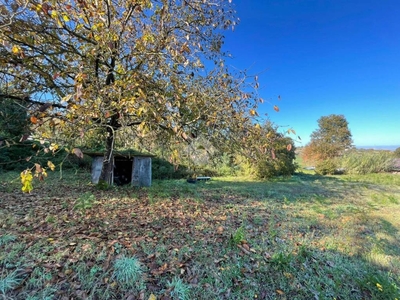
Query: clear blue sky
x=324, y=57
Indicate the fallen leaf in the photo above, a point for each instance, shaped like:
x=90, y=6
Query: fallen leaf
x=280, y=292
x=152, y=297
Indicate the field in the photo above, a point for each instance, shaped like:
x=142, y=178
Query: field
x=304, y=237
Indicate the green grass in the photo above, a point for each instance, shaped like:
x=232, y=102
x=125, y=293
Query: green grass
x=304, y=237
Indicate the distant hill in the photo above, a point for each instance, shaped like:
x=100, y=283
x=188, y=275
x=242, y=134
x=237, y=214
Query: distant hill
x=391, y=148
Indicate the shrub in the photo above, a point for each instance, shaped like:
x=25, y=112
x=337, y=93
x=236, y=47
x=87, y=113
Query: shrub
x=366, y=161
x=326, y=167
x=282, y=164
x=162, y=169
x=397, y=153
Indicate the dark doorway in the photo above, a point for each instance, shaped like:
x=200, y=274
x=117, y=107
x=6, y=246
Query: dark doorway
x=122, y=170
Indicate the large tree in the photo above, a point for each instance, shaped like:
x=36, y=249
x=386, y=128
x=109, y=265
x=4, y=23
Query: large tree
x=157, y=65
x=331, y=138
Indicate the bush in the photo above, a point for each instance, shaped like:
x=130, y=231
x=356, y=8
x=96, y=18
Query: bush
x=367, y=161
x=397, y=153
x=282, y=165
x=162, y=169
x=326, y=167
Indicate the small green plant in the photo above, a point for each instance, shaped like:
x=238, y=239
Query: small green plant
x=117, y=248
x=128, y=272
x=9, y=282
x=238, y=236
x=7, y=238
x=84, y=202
x=50, y=219
x=103, y=185
x=281, y=260
x=38, y=278
x=179, y=290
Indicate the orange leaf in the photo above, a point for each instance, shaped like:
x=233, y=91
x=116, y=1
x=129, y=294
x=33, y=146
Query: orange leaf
x=34, y=120
x=38, y=168
x=289, y=147
x=276, y=108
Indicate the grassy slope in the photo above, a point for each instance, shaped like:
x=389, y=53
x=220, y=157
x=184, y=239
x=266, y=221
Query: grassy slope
x=307, y=237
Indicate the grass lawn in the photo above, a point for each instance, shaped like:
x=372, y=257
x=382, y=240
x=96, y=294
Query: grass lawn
x=304, y=237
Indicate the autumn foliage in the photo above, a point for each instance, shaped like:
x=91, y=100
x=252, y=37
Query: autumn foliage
x=96, y=67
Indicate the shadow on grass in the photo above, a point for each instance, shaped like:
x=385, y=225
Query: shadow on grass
x=305, y=237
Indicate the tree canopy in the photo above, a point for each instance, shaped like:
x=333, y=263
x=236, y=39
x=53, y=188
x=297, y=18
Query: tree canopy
x=158, y=66
x=155, y=65
x=331, y=138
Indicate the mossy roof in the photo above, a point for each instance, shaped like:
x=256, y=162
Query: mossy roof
x=121, y=153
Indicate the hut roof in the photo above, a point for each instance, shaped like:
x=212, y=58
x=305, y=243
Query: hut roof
x=121, y=153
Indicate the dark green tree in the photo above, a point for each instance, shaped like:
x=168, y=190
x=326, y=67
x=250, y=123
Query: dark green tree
x=13, y=120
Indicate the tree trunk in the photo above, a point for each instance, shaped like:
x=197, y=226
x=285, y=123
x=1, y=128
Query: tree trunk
x=108, y=162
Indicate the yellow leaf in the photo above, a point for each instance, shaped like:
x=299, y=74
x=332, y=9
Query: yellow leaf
x=51, y=165
x=54, y=14
x=16, y=49
x=253, y=112
x=65, y=18
x=53, y=147
x=280, y=292
x=27, y=187
x=152, y=297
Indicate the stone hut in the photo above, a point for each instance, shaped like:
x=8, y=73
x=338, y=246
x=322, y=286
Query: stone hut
x=130, y=167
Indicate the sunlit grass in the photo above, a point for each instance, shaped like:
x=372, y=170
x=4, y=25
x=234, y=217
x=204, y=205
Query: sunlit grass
x=303, y=237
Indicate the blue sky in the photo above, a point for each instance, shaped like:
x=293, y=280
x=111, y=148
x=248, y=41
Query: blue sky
x=324, y=57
